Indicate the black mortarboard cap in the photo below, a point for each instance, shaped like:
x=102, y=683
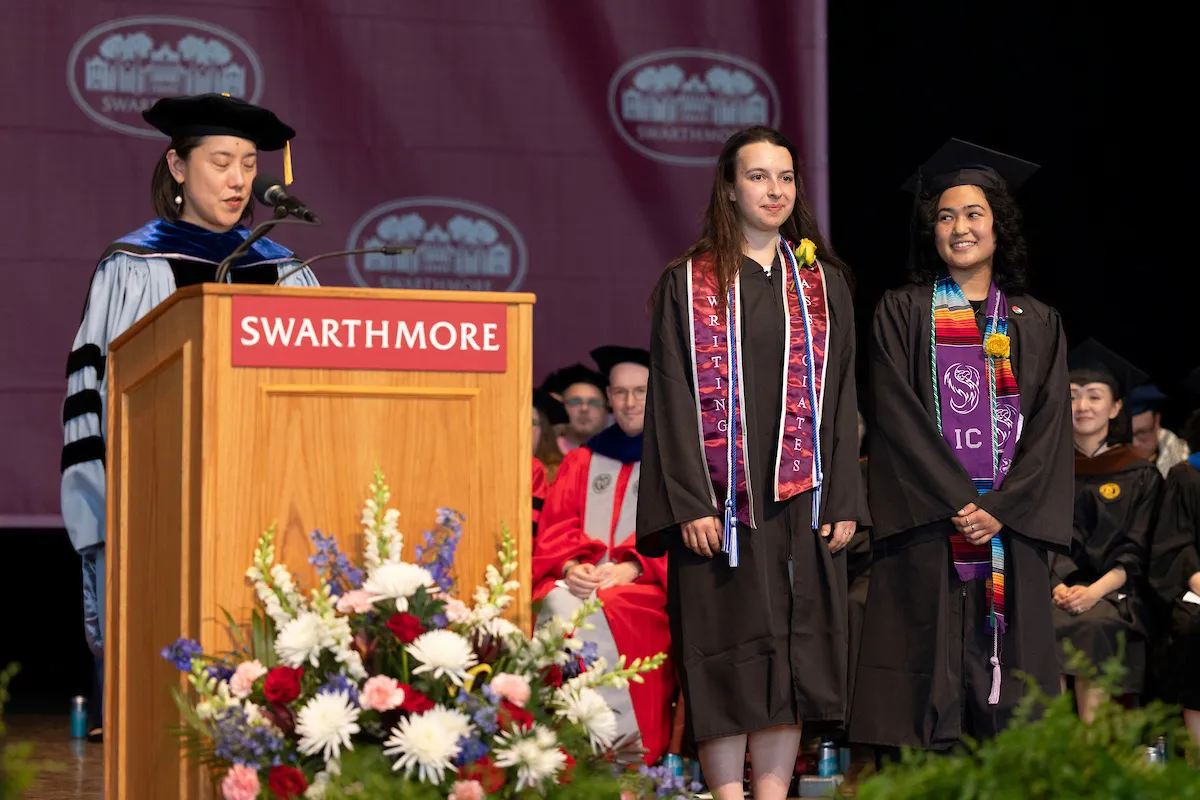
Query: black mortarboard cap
x=218, y=115
x=610, y=355
x=1093, y=357
x=554, y=410
x=1146, y=397
x=558, y=382
x=960, y=163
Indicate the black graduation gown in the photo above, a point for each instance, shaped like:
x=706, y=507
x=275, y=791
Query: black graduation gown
x=1117, y=496
x=858, y=579
x=924, y=675
x=1174, y=559
x=754, y=647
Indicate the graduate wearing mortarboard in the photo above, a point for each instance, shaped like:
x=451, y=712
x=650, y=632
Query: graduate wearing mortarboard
x=1151, y=440
x=200, y=192
x=586, y=546
x=970, y=468
x=1099, y=587
x=1174, y=577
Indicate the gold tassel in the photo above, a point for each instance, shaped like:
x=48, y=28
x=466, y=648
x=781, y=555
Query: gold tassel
x=287, y=163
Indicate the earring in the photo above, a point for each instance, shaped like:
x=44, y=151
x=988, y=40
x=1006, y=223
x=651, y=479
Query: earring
x=179, y=197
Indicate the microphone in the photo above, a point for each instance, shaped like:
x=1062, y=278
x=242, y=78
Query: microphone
x=270, y=191
x=259, y=231
x=387, y=250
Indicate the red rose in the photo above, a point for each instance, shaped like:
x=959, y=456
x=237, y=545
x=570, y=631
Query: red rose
x=283, y=684
x=287, y=782
x=406, y=627
x=510, y=716
x=490, y=777
x=282, y=716
x=553, y=676
x=565, y=775
x=414, y=701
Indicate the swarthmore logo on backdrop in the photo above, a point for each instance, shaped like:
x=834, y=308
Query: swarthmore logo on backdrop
x=121, y=67
x=459, y=245
x=679, y=106
x=353, y=333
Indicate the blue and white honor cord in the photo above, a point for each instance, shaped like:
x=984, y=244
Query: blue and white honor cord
x=729, y=542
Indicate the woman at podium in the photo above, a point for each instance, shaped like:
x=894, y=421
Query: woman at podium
x=200, y=191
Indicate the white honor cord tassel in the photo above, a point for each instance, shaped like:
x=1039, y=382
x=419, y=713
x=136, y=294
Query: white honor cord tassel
x=729, y=542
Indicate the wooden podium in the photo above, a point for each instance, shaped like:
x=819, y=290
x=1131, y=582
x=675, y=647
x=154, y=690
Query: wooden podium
x=217, y=429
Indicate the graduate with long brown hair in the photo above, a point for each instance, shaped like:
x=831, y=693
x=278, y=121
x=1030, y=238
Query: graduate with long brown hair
x=750, y=476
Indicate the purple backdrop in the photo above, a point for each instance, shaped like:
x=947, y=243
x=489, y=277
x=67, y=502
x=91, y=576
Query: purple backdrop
x=561, y=148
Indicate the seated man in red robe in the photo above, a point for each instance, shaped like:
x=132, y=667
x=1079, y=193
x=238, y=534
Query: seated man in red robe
x=585, y=545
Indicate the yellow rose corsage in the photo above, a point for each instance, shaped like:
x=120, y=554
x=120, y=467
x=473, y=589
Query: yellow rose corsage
x=997, y=346
x=806, y=252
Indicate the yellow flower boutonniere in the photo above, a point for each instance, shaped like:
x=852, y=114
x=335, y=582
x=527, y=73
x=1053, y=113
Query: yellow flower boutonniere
x=806, y=252
x=997, y=346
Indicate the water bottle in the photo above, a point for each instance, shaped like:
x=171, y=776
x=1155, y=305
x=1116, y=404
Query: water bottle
x=79, y=717
x=828, y=759
x=674, y=765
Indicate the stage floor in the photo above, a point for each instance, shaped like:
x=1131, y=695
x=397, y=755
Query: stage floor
x=78, y=772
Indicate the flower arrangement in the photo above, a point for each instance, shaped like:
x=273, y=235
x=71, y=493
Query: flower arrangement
x=382, y=683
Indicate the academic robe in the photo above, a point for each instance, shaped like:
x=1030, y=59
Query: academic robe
x=588, y=516
x=134, y=275
x=924, y=675
x=1174, y=559
x=762, y=644
x=858, y=580
x=1117, y=496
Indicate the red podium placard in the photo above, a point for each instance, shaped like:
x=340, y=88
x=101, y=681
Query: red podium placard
x=350, y=333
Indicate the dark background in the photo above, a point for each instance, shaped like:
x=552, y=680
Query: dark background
x=1080, y=88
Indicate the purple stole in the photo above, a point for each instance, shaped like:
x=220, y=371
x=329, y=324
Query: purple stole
x=717, y=355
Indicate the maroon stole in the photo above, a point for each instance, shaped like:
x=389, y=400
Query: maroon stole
x=719, y=400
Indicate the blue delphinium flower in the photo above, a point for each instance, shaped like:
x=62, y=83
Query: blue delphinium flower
x=588, y=654
x=333, y=565
x=237, y=741
x=220, y=672
x=669, y=785
x=182, y=652
x=340, y=683
x=470, y=751
x=437, y=553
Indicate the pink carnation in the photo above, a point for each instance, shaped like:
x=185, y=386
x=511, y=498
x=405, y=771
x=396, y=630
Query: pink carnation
x=381, y=693
x=457, y=611
x=513, y=688
x=242, y=682
x=241, y=783
x=466, y=790
x=355, y=602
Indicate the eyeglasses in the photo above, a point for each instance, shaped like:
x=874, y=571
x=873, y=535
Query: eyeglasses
x=578, y=402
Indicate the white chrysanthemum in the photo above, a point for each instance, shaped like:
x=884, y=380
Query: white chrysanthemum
x=326, y=723
x=397, y=582
x=302, y=639
x=428, y=744
x=534, y=753
x=500, y=628
x=444, y=653
x=586, y=707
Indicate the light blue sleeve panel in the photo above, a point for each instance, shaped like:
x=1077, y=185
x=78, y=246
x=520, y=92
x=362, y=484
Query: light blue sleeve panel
x=124, y=289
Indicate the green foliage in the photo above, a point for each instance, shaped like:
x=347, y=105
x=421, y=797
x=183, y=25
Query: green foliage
x=367, y=773
x=1056, y=755
x=18, y=769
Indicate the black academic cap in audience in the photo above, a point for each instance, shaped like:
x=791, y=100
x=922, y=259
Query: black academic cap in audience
x=558, y=382
x=1146, y=397
x=554, y=410
x=1093, y=362
x=610, y=355
x=960, y=163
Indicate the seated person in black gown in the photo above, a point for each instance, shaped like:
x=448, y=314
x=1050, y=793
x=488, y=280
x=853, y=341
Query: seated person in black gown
x=1099, y=587
x=1175, y=578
